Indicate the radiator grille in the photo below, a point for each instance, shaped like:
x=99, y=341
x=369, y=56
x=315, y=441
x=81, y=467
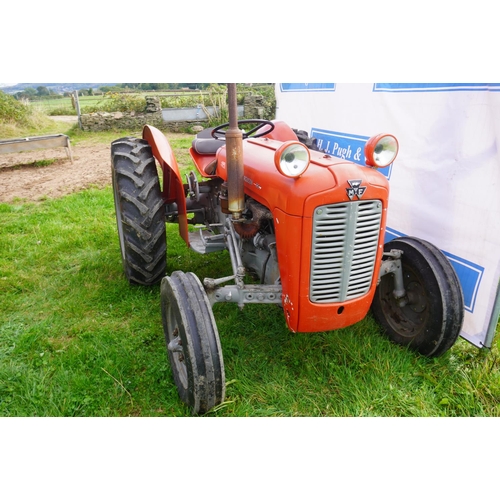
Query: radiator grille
x=344, y=248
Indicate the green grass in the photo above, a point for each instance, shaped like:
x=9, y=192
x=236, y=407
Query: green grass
x=77, y=340
x=34, y=164
x=64, y=106
x=33, y=120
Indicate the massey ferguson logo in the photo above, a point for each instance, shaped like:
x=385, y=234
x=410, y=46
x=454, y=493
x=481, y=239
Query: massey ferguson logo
x=356, y=189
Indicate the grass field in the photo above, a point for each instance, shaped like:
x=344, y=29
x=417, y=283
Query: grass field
x=121, y=102
x=64, y=106
x=114, y=102
x=77, y=340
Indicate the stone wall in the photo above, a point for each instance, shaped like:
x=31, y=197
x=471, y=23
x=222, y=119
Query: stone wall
x=126, y=119
x=152, y=115
x=254, y=107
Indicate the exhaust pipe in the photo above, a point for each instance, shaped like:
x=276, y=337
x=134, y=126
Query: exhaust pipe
x=234, y=151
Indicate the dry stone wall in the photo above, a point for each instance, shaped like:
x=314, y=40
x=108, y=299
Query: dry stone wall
x=152, y=115
x=125, y=120
x=119, y=120
x=254, y=107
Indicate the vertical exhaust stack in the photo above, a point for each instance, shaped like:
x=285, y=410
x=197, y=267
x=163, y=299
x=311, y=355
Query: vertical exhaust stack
x=234, y=151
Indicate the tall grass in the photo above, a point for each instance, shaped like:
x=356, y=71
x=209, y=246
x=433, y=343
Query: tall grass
x=20, y=119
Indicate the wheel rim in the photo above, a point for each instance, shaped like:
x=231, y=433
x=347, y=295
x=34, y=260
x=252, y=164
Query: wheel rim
x=411, y=319
x=175, y=348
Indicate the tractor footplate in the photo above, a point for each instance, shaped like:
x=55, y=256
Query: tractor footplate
x=204, y=242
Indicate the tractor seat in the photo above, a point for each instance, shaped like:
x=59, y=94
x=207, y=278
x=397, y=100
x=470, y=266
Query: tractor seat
x=205, y=144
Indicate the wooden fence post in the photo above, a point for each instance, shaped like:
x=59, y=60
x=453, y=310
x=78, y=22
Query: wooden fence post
x=77, y=104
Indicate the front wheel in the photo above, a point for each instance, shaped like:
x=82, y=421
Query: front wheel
x=432, y=318
x=193, y=344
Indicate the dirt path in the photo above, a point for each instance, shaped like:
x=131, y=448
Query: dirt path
x=20, y=180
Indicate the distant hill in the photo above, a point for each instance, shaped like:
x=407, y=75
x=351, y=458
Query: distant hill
x=58, y=88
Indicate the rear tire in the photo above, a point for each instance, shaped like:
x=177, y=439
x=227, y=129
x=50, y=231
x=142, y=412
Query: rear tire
x=139, y=211
x=193, y=344
x=432, y=319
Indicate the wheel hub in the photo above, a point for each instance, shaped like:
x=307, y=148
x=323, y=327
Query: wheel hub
x=416, y=297
x=409, y=319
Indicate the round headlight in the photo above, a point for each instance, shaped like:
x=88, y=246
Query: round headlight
x=381, y=150
x=292, y=159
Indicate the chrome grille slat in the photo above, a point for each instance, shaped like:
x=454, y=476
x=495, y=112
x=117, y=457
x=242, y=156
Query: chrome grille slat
x=344, y=248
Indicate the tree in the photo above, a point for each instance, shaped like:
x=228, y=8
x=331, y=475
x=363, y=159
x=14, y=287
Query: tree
x=27, y=93
x=41, y=90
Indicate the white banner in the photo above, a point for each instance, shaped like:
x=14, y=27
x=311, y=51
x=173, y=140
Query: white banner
x=445, y=181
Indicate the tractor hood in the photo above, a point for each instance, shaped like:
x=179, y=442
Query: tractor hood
x=327, y=180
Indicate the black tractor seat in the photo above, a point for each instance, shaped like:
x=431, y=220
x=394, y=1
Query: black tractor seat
x=205, y=144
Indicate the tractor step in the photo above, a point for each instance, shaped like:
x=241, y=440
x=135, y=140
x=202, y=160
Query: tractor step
x=204, y=242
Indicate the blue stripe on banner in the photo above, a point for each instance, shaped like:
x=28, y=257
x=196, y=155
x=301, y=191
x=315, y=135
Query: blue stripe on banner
x=346, y=146
x=468, y=273
x=435, y=87
x=307, y=87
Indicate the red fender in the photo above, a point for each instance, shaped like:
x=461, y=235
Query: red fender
x=173, y=188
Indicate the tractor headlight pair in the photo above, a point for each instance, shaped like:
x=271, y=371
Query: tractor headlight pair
x=292, y=159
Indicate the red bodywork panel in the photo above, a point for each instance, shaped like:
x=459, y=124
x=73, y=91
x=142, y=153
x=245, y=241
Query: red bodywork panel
x=173, y=188
x=292, y=203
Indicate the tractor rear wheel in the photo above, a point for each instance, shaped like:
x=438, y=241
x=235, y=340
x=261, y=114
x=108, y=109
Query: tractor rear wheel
x=193, y=344
x=432, y=318
x=139, y=211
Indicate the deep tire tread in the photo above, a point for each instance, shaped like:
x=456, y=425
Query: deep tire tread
x=140, y=214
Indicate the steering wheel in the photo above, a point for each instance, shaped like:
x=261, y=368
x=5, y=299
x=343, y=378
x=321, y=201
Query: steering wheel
x=220, y=131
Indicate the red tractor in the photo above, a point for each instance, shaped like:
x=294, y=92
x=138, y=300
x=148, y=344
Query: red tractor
x=308, y=226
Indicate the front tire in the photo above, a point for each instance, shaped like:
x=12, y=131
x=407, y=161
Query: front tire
x=432, y=319
x=193, y=344
x=139, y=211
